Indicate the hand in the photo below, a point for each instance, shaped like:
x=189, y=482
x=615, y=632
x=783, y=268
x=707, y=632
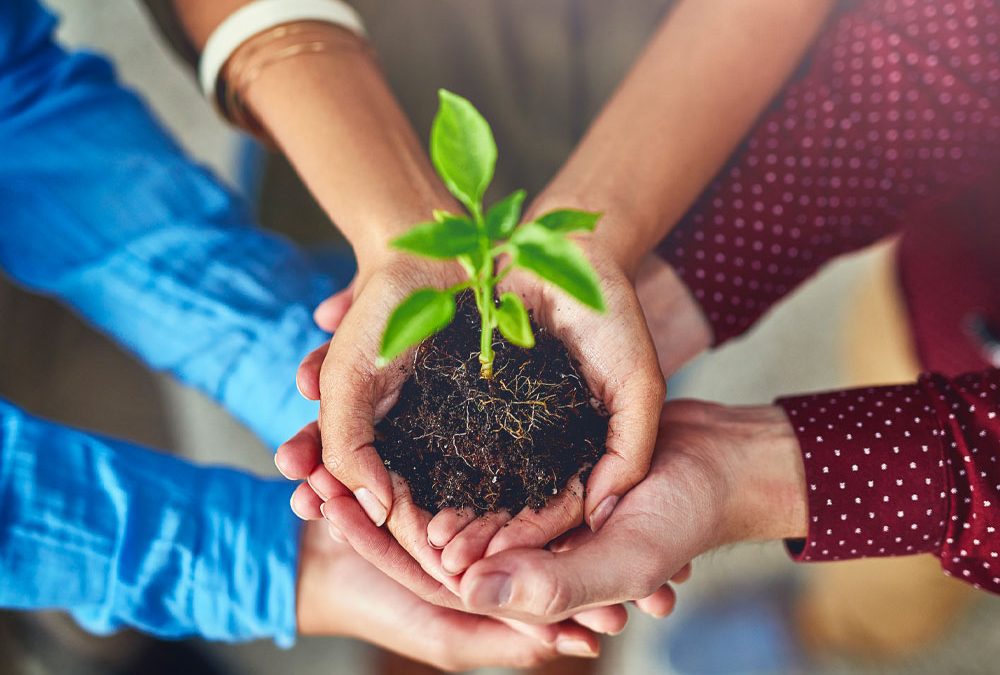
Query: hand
x=679, y=331
x=617, y=358
x=323, y=496
x=719, y=475
x=339, y=593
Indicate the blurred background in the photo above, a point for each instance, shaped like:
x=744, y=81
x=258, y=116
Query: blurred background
x=51, y=364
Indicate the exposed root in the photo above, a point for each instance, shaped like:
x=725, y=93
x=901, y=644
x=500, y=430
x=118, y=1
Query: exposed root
x=505, y=443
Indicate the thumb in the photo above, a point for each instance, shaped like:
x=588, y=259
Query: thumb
x=541, y=586
x=632, y=428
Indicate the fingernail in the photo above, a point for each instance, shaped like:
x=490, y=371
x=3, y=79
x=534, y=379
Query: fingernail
x=372, y=506
x=319, y=491
x=432, y=544
x=603, y=511
x=291, y=504
x=335, y=533
x=493, y=590
x=278, y=466
x=571, y=647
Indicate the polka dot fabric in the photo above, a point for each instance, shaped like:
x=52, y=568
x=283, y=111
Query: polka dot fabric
x=902, y=470
x=897, y=105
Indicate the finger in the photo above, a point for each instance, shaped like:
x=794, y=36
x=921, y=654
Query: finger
x=408, y=524
x=348, y=412
x=546, y=632
x=473, y=641
x=380, y=549
x=299, y=455
x=361, y=470
x=578, y=641
x=329, y=313
x=325, y=485
x=572, y=539
x=682, y=575
x=608, y=620
x=470, y=544
x=305, y=503
x=533, y=529
x=660, y=603
x=307, y=376
x=632, y=428
x=445, y=524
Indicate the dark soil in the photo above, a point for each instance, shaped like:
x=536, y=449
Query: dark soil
x=490, y=445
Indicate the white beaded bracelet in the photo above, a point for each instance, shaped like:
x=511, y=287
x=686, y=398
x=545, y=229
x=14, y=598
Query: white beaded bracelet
x=259, y=16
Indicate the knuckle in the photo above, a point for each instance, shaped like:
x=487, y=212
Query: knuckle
x=552, y=597
x=333, y=461
x=655, y=388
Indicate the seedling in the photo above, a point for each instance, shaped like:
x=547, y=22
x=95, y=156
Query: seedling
x=464, y=154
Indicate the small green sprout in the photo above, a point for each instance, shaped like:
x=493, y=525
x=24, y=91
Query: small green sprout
x=464, y=154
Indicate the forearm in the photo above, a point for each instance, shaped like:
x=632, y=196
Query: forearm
x=117, y=222
x=334, y=116
x=124, y=537
x=855, y=146
x=704, y=78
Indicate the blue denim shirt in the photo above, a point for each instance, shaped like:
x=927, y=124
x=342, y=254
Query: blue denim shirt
x=101, y=209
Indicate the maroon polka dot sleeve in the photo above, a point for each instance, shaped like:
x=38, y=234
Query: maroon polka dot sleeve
x=904, y=469
x=897, y=104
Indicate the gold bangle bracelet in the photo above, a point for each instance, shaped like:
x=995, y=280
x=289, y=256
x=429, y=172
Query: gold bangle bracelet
x=265, y=49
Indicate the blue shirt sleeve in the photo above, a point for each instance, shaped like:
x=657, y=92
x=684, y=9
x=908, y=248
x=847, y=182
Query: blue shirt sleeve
x=101, y=209
x=122, y=536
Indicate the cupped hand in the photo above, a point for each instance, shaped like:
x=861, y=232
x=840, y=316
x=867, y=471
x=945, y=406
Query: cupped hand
x=356, y=393
x=340, y=593
x=618, y=360
x=323, y=496
x=348, y=523
x=679, y=331
x=719, y=475
x=616, y=356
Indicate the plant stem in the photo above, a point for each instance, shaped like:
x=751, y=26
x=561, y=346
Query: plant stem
x=483, y=286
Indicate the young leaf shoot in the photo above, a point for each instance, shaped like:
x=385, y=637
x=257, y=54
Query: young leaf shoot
x=464, y=154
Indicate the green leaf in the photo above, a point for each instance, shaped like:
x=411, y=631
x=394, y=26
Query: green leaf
x=568, y=220
x=513, y=322
x=503, y=216
x=462, y=149
x=448, y=238
x=555, y=259
x=416, y=318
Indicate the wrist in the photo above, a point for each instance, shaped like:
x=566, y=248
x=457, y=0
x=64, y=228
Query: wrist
x=676, y=321
x=317, y=605
x=765, y=476
x=348, y=139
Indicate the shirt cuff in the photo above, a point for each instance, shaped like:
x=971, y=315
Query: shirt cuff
x=875, y=471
